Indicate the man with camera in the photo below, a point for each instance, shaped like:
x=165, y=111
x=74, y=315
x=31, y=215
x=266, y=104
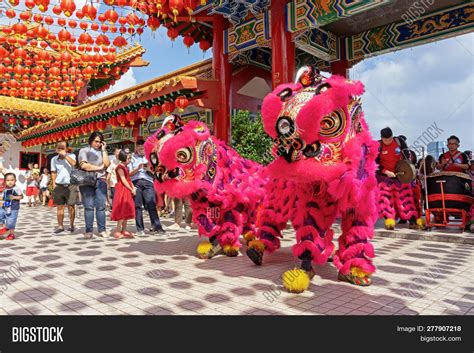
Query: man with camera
x=63, y=192
x=142, y=179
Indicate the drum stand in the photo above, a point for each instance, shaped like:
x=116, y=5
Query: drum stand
x=446, y=212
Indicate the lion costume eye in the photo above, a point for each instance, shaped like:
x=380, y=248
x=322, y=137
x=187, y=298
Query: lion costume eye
x=184, y=155
x=285, y=126
x=334, y=124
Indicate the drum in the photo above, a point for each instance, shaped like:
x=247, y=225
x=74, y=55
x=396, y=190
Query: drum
x=405, y=171
x=457, y=190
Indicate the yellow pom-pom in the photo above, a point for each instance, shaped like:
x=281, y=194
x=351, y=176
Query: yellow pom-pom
x=296, y=280
x=257, y=245
x=390, y=223
x=357, y=272
x=249, y=236
x=420, y=222
x=204, y=248
x=230, y=250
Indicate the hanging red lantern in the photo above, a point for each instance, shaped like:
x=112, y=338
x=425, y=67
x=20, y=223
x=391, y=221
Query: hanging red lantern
x=57, y=10
x=190, y=6
x=159, y=6
x=181, y=103
x=113, y=122
x=122, y=119
x=172, y=33
x=143, y=114
x=90, y=12
x=68, y=7
x=25, y=16
x=156, y=110
x=64, y=35
x=111, y=16
x=131, y=117
x=153, y=23
x=167, y=107
x=204, y=45
x=25, y=123
x=175, y=6
x=12, y=121
x=30, y=4
x=101, y=125
x=188, y=41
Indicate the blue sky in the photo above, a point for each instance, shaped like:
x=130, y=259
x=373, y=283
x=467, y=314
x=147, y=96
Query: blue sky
x=408, y=90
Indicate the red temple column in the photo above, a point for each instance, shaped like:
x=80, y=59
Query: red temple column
x=136, y=133
x=283, y=48
x=222, y=72
x=341, y=66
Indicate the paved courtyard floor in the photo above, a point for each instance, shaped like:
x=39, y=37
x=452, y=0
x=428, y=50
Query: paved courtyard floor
x=42, y=273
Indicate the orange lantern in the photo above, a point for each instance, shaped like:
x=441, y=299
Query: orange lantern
x=89, y=11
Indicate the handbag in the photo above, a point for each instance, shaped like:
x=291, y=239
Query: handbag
x=81, y=177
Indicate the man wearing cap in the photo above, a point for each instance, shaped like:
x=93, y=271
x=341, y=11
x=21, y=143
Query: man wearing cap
x=395, y=199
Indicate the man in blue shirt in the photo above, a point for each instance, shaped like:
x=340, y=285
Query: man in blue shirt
x=142, y=178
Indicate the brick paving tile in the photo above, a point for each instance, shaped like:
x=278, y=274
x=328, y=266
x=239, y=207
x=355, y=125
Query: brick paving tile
x=155, y=275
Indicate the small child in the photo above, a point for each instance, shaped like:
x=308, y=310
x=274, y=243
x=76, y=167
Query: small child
x=123, y=207
x=10, y=206
x=36, y=171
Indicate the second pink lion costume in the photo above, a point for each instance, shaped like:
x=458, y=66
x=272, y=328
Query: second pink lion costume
x=224, y=188
x=324, y=167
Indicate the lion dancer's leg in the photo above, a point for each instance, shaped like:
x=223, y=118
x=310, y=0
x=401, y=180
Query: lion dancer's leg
x=354, y=256
x=315, y=214
x=386, y=200
x=271, y=220
x=405, y=203
x=223, y=229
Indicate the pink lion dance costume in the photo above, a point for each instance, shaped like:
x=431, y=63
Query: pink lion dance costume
x=324, y=167
x=224, y=188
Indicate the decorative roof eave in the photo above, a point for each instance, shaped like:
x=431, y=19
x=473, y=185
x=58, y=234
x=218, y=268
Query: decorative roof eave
x=187, y=79
x=13, y=105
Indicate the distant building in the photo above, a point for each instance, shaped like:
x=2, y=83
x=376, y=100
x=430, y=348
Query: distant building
x=435, y=148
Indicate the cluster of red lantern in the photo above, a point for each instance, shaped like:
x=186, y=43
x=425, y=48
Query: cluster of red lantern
x=128, y=119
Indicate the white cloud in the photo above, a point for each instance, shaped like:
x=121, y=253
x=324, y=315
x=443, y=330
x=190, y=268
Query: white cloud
x=126, y=81
x=412, y=88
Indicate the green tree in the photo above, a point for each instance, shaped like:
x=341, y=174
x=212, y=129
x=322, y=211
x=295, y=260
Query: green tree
x=249, y=138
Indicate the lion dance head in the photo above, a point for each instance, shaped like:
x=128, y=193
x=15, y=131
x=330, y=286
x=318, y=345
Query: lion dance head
x=182, y=157
x=313, y=123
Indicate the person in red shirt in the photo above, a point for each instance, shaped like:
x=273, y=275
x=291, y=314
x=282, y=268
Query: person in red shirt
x=395, y=199
x=454, y=160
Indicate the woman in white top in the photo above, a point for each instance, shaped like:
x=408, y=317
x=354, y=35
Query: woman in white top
x=44, y=183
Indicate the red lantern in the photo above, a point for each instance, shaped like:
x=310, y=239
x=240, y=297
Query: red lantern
x=153, y=23
x=204, y=45
x=25, y=123
x=122, y=119
x=68, y=7
x=159, y=6
x=156, y=110
x=101, y=125
x=143, y=114
x=84, y=129
x=175, y=6
x=188, y=41
x=131, y=117
x=172, y=33
x=90, y=12
x=12, y=121
x=111, y=16
x=190, y=6
x=181, y=102
x=113, y=122
x=167, y=107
